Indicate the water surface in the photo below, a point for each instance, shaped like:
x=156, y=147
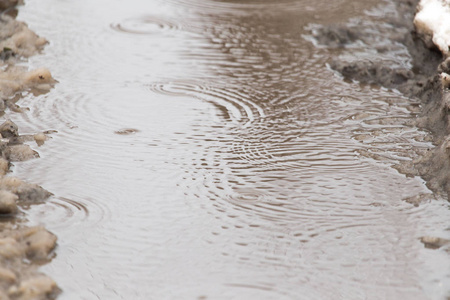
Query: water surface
x=205, y=151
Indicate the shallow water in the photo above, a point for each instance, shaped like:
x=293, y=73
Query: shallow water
x=205, y=151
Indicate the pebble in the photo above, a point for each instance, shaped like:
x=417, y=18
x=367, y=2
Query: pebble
x=10, y=248
x=4, y=166
x=5, y=4
x=38, y=243
x=8, y=203
x=39, y=287
x=7, y=275
x=20, y=152
x=25, y=191
x=40, y=138
x=9, y=129
x=432, y=242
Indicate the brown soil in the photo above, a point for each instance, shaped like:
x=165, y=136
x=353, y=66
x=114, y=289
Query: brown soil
x=421, y=81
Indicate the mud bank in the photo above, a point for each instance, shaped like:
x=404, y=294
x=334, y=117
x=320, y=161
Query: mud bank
x=414, y=66
x=22, y=248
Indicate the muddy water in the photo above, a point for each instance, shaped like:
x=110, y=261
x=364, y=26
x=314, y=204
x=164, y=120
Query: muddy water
x=205, y=151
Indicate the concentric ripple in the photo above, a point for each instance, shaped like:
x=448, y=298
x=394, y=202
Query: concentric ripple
x=62, y=211
x=232, y=104
x=227, y=164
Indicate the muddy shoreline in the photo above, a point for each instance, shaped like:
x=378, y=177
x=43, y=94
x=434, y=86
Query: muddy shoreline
x=419, y=81
x=22, y=248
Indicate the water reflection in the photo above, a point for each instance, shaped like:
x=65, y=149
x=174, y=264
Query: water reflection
x=251, y=171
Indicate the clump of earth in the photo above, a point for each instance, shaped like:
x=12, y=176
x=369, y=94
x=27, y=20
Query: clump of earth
x=22, y=248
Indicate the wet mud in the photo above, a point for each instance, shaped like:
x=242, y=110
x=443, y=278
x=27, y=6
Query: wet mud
x=22, y=248
x=423, y=78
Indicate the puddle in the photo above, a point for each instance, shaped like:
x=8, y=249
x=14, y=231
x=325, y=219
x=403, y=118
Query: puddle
x=256, y=171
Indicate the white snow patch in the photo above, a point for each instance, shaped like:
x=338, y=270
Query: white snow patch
x=433, y=21
x=445, y=79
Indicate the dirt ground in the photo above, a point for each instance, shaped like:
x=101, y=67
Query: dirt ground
x=22, y=248
x=423, y=81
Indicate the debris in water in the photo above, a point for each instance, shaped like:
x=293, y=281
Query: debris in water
x=126, y=131
x=432, y=242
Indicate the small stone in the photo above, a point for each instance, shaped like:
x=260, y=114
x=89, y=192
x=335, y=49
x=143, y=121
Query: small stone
x=21, y=152
x=32, y=193
x=10, y=248
x=26, y=191
x=8, y=203
x=4, y=166
x=9, y=129
x=40, y=138
x=11, y=183
x=7, y=276
x=5, y=4
x=38, y=242
x=432, y=242
x=39, y=287
x=40, y=78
